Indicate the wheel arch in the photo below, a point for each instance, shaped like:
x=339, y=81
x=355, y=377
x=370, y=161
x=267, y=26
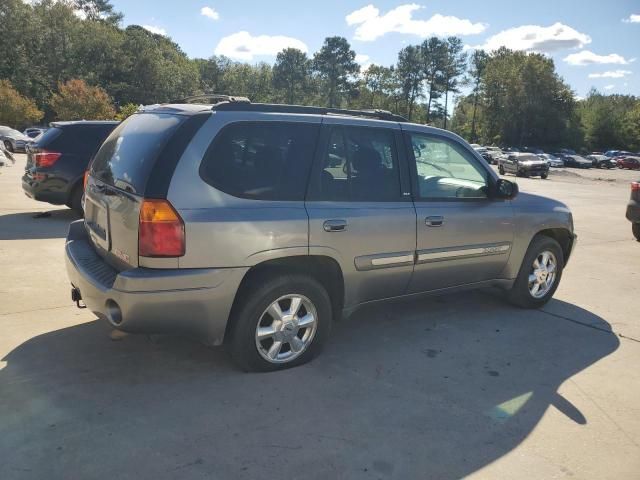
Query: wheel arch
x=324, y=269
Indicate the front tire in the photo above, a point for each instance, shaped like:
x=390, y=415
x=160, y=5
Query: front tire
x=635, y=228
x=544, y=176
x=8, y=146
x=282, y=321
x=539, y=274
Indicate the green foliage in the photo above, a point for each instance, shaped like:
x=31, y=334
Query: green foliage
x=515, y=98
x=292, y=74
x=15, y=110
x=335, y=64
x=76, y=100
x=126, y=111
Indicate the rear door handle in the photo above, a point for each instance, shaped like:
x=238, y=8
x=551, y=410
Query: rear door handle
x=434, y=221
x=334, y=225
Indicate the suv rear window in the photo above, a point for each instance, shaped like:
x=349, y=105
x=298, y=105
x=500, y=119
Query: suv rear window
x=261, y=160
x=126, y=158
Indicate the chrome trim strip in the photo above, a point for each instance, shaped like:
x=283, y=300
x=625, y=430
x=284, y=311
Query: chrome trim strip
x=389, y=260
x=430, y=256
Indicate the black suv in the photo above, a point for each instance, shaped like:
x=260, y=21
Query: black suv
x=57, y=160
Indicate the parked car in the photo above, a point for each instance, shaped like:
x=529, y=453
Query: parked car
x=484, y=153
x=524, y=165
x=552, y=160
x=6, y=156
x=633, y=209
x=567, y=151
x=631, y=163
x=494, y=153
x=601, y=161
x=575, y=161
x=231, y=222
x=33, y=132
x=57, y=160
x=617, y=153
x=13, y=140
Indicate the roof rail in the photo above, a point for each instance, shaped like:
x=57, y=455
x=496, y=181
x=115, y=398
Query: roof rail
x=278, y=108
x=214, y=98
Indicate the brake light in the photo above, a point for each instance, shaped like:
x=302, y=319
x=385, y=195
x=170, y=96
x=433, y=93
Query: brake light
x=85, y=179
x=635, y=186
x=45, y=158
x=161, y=230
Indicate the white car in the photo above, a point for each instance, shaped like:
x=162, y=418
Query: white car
x=552, y=160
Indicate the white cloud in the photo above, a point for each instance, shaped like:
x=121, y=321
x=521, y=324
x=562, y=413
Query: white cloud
x=371, y=25
x=610, y=74
x=242, y=45
x=154, y=29
x=535, y=38
x=632, y=19
x=586, y=57
x=364, y=61
x=210, y=13
x=609, y=87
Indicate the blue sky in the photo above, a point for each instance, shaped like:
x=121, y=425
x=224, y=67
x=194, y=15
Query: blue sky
x=592, y=43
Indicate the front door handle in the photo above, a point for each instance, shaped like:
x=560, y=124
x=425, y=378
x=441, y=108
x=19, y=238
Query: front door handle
x=335, y=225
x=434, y=221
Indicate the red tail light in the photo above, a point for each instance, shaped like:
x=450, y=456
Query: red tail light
x=635, y=186
x=46, y=158
x=161, y=232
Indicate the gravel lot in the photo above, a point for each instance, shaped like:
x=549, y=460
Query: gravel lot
x=447, y=387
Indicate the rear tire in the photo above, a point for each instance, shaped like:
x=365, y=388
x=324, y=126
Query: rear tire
x=8, y=146
x=544, y=176
x=250, y=348
x=533, y=271
x=501, y=169
x=635, y=228
x=75, y=200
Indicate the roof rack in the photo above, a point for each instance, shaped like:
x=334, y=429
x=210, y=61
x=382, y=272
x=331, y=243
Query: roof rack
x=216, y=97
x=246, y=106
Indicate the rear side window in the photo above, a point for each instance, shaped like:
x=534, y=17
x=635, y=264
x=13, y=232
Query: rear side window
x=261, y=160
x=126, y=158
x=359, y=164
x=48, y=137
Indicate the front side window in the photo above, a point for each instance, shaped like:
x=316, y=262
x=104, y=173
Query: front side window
x=261, y=160
x=446, y=169
x=359, y=164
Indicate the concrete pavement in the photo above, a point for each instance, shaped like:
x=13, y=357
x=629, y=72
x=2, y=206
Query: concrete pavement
x=447, y=387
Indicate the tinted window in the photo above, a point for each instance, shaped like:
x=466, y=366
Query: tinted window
x=446, y=169
x=129, y=153
x=266, y=160
x=359, y=164
x=48, y=137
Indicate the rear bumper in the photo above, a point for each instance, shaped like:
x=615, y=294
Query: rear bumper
x=633, y=211
x=196, y=302
x=48, y=190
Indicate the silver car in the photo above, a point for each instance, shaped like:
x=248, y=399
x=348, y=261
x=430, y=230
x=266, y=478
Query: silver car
x=257, y=226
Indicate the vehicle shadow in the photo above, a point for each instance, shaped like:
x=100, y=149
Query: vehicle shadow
x=37, y=225
x=431, y=388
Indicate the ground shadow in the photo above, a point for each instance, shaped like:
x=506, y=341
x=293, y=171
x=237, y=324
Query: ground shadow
x=432, y=388
x=48, y=223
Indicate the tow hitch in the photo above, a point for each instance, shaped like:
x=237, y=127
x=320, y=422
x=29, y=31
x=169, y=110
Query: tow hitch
x=77, y=297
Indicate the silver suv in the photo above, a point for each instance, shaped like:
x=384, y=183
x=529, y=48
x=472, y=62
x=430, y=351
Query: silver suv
x=258, y=225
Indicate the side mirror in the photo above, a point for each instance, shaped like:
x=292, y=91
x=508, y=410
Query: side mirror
x=506, y=189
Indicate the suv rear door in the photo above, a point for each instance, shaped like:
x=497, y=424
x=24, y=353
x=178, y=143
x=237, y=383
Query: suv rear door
x=358, y=211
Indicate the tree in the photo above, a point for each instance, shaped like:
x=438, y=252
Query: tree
x=97, y=10
x=126, y=111
x=455, y=64
x=335, y=63
x=477, y=65
x=76, y=100
x=15, y=110
x=433, y=51
x=291, y=73
x=410, y=71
